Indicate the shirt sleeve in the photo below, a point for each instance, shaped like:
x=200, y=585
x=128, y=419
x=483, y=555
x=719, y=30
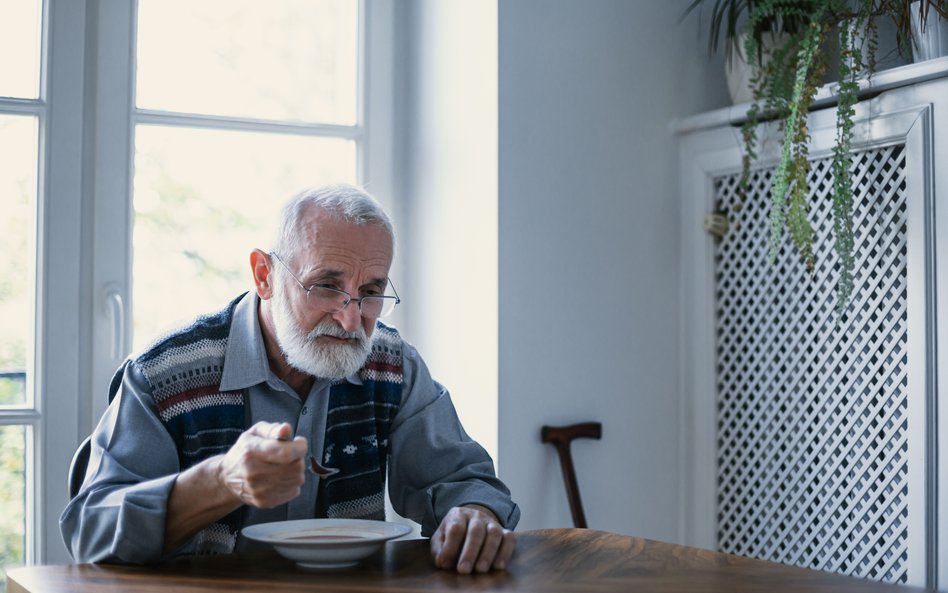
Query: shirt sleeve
x=119, y=513
x=434, y=465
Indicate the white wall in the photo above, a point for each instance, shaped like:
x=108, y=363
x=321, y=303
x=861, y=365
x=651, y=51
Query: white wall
x=589, y=262
x=447, y=162
x=539, y=128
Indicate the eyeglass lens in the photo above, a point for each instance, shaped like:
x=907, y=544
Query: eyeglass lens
x=333, y=300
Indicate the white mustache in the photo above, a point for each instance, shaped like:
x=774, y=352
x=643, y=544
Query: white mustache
x=333, y=330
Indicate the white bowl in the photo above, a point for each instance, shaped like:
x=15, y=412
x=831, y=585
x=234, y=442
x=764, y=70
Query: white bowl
x=326, y=543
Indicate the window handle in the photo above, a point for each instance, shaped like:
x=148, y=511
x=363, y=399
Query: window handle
x=115, y=310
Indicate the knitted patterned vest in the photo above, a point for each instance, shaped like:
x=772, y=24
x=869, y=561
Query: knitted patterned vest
x=184, y=372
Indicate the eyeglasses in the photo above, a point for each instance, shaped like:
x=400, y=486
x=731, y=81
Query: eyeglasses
x=332, y=300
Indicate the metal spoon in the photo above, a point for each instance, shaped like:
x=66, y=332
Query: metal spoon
x=321, y=471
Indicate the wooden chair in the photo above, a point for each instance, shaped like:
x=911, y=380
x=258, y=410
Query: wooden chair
x=561, y=437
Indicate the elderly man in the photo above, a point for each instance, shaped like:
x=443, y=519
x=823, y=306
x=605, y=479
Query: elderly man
x=212, y=427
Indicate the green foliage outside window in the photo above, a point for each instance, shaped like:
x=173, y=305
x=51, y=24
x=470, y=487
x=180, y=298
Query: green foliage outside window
x=17, y=188
x=15, y=231
x=12, y=498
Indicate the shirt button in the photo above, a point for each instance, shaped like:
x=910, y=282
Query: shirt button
x=304, y=410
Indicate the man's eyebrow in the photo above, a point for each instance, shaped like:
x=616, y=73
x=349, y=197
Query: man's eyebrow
x=328, y=273
x=317, y=275
x=381, y=281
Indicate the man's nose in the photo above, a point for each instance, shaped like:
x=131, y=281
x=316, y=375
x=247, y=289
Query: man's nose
x=350, y=317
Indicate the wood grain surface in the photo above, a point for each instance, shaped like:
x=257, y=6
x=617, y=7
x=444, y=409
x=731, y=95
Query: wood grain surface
x=554, y=560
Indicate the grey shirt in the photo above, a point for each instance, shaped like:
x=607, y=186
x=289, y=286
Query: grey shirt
x=119, y=513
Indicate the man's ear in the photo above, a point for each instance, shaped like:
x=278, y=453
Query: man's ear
x=260, y=265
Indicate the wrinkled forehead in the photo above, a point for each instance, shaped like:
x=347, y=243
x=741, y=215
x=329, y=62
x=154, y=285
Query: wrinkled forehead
x=314, y=219
x=322, y=235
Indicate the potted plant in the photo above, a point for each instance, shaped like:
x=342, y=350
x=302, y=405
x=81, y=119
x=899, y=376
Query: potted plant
x=929, y=29
x=785, y=80
x=729, y=23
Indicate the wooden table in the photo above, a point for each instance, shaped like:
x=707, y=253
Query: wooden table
x=554, y=560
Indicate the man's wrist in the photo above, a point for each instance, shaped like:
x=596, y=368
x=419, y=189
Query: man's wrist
x=215, y=467
x=483, y=509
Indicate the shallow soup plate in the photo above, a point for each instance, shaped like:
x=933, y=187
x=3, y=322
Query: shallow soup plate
x=326, y=543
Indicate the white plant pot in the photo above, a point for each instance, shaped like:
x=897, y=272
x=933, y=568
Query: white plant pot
x=740, y=73
x=929, y=39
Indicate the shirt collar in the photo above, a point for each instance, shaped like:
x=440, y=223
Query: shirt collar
x=245, y=361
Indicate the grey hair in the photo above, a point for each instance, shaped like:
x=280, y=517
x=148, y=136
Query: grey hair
x=343, y=202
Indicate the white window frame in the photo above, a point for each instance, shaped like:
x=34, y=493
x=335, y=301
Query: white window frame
x=57, y=278
x=83, y=268
x=115, y=122
x=54, y=381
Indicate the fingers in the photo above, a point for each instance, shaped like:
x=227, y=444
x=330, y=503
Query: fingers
x=448, y=539
x=506, y=551
x=282, y=432
x=481, y=546
x=280, y=452
x=264, y=468
x=272, y=430
x=272, y=441
x=272, y=486
x=470, y=539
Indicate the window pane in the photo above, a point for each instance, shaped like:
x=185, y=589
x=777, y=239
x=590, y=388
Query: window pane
x=203, y=199
x=12, y=498
x=287, y=60
x=20, y=48
x=18, y=157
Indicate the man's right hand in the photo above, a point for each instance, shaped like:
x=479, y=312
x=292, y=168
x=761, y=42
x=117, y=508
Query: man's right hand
x=265, y=468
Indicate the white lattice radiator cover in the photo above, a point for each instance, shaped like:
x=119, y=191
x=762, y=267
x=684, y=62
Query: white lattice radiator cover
x=812, y=410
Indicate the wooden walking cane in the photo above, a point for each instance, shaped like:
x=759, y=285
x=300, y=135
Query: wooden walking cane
x=561, y=437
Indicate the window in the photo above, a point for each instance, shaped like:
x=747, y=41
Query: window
x=196, y=219
x=21, y=113
x=146, y=170
x=251, y=102
x=204, y=137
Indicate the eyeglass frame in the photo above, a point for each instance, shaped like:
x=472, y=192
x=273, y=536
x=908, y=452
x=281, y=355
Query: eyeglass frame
x=349, y=297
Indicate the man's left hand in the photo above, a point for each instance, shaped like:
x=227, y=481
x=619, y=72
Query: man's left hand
x=470, y=538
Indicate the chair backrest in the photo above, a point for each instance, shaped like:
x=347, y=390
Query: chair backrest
x=561, y=437
x=80, y=459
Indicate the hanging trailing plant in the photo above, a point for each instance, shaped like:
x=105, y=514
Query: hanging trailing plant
x=805, y=58
x=790, y=178
x=842, y=159
x=784, y=83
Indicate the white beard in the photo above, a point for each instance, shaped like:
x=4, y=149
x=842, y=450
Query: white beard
x=303, y=352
